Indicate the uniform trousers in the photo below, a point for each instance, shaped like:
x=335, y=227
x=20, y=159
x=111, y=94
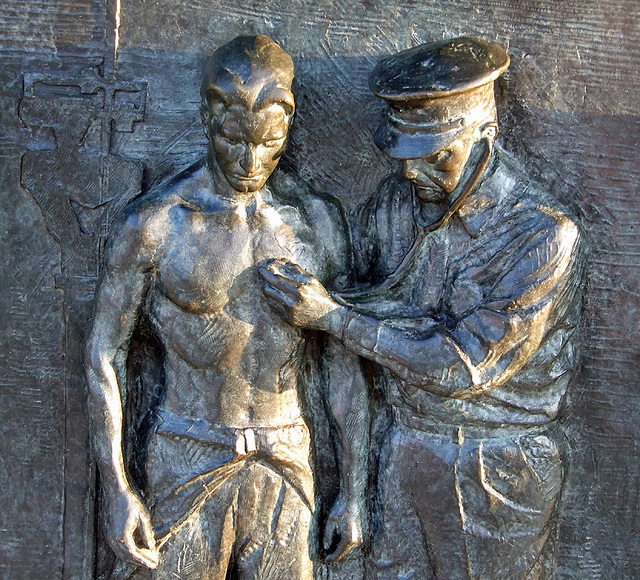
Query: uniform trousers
x=455, y=504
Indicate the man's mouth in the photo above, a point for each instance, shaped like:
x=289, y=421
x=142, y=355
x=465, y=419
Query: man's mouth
x=422, y=181
x=429, y=188
x=429, y=191
x=425, y=184
x=248, y=177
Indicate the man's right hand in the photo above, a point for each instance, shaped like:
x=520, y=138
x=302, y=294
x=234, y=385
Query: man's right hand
x=129, y=530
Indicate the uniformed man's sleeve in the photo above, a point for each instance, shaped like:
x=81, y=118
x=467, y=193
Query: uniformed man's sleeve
x=363, y=228
x=382, y=234
x=473, y=350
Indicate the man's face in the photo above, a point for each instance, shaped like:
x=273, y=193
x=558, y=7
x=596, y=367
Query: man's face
x=248, y=144
x=437, y=175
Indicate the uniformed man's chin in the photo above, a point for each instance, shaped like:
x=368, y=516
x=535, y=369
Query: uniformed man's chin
x=430, y=194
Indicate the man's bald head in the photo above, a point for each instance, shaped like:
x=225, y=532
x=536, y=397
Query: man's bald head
x=251, y=71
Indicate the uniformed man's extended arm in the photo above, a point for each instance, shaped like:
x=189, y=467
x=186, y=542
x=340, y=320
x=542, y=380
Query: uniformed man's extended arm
x=118, y=302
x=466, y=355
x=461, y=356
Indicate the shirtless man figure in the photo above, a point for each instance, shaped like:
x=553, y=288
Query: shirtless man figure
x=230, y=486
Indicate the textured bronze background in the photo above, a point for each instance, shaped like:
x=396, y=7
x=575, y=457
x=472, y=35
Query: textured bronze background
x=570, y=107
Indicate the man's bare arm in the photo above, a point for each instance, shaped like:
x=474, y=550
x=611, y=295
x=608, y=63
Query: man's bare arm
x=348, y=402
x=118, y=301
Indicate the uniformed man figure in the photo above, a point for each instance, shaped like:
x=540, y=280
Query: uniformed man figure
x=473, y=296
x=229, y=490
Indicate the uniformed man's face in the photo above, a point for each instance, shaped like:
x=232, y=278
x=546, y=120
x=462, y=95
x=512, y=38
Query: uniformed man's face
x=437, y=175
x=248, y=144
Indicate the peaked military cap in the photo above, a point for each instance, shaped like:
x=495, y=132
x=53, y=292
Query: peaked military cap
x=435, y=92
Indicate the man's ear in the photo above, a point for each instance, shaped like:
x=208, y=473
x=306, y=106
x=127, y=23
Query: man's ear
x=488, y=130
x=205, y=115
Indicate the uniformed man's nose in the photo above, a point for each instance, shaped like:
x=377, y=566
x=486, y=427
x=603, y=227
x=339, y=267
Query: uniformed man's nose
x=409, y=170
x=249, y=161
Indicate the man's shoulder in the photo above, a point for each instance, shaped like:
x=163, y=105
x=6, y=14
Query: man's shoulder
x=320, y=213
x=144, y=223
x=145, y=211
x=392, y=197
x=391, y=186
x=320, y=221
x=390, y=206
x=537, y=207
x=393, y=183
x=291, y=190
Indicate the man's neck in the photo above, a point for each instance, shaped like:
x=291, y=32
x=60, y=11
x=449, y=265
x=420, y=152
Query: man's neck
x=223, y=190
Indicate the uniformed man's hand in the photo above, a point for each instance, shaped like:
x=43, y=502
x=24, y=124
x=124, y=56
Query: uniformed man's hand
x=300, y=299
x=129, y=530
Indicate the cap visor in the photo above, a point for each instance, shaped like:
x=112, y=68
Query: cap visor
x=405, y=145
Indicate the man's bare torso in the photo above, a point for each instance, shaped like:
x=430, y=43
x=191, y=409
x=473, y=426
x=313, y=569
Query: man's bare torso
x=230, y=360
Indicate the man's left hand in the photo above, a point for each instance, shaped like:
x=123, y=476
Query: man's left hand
x=345, y=527
x=300, y=299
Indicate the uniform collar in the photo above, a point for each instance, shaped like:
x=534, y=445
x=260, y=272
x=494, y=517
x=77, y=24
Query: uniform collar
x=493, y=188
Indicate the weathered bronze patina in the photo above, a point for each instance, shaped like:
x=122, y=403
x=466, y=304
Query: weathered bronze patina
x=229, y=488
x=468, y=298
x=465, y=297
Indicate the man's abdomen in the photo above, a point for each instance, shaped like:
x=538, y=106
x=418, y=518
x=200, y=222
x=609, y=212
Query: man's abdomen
x=228, y=368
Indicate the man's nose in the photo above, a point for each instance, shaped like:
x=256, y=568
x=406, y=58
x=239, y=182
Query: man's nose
x=409, y=170
x=250, y=161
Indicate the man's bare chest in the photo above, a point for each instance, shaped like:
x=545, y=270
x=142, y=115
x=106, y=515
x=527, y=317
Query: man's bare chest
x=211, y=259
